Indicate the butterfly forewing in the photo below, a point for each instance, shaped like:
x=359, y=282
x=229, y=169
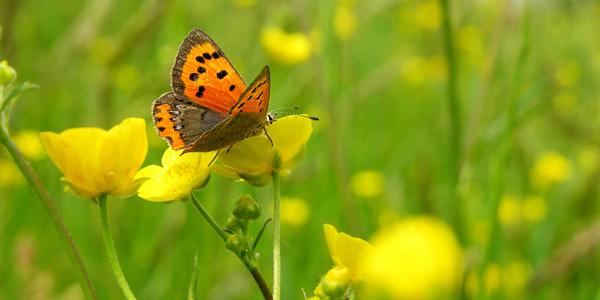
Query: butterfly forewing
x=203, y=74
x=255, y=99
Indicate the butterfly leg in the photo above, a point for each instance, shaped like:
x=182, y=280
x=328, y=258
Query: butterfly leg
x=229, y=148
x=214, y=158
x=267, y=134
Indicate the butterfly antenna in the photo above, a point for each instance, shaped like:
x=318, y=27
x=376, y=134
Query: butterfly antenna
x=288, y=111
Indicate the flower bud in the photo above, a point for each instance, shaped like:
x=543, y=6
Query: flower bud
x=235, y=244
x=336, y=282
x=7, y=73
x=246, y=208
x=232, y=224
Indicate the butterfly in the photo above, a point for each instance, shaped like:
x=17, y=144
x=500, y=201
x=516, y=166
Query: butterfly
x=210, y=106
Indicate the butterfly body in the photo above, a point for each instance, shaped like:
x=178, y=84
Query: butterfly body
x=210, y=107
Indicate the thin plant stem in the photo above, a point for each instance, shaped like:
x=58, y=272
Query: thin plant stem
x=111, y=253
x=39, y=188
x=252, y=267
x=451, y=207
x=276, y=237
x=202, y=211
x=194, y=279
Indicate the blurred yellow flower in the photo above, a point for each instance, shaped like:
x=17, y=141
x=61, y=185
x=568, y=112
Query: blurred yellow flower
x=516, y=274
x=510, y=279
x=347, y=251
x=509, y=211
x=513, y=211
x=253, y=158
x=10, y=174
x=244, y=3
x=470, y=42
x=588, y=159
x=368, y=183
x=549, y=169
x=178, y=176
x=344, y=21
x=286, y=48
x=95, y=161
x=534, y=209
x=417, y=258
x=567, y=74
x=28, y=142
x=418, y=70
x=427, y=15
x=492, y=277
x=294, y=211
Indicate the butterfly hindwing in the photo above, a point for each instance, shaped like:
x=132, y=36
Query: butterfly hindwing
x=255, y=98
x=182, y=122
x=203, y=74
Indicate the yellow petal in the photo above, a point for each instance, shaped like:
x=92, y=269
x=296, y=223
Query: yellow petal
x=123, y=152
x=74, y=152
x=290, y=135
x=149, y=172
x=178, y=177
x=350, y=252
x=331, y=235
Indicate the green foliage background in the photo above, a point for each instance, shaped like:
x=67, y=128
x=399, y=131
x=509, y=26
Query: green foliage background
x=101, y=61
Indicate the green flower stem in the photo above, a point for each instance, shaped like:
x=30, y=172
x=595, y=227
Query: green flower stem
x=276, y=237
x=37, y=186
x=248, y=262
x=451, y=207
x=194, y=279
x=208, y=218
x=111, y=253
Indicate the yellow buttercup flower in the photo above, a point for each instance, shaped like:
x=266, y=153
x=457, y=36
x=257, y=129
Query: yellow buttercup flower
x=10, y=174
x=286, y=48
x=418, y=70
x=178, y=176
x=417, y=258
x=427, y=15
x=368, y=184
x=28, y=141
x=95, y=161
x=549, y=169
x=254, y=159
x=344, y=21
x=347, y=251
x=509, y=211
x=294, y=211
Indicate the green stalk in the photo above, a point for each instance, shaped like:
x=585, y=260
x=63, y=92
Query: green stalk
x=194, y=279
x=276, y=237
x=250, y=265
x=451, y=206
x=111, y=253
x=37, y=186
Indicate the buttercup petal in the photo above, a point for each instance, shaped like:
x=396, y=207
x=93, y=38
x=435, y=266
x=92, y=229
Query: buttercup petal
x=331, y=235
x=351, y=251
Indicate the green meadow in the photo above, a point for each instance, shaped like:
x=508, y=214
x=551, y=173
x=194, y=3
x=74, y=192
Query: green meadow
x=459, y=139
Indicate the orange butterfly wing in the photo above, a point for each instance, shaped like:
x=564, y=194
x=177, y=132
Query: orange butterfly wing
x=256, y=97
x=203, y=74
